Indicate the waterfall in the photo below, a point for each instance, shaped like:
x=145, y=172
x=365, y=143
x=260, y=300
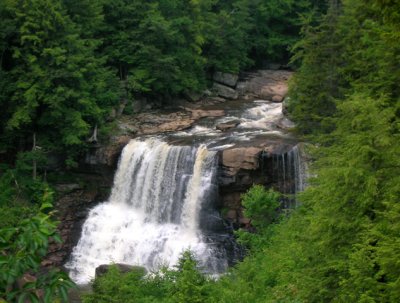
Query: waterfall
x=153, y=212
x=289, y=172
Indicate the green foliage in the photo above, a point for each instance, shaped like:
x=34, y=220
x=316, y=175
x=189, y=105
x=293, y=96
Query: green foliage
x=185, y=284
x=261, y=206
x=60, y=88
x=22, y=249
x=189, y=284
x=312, y=103
x=341, y=244
x=57, y=69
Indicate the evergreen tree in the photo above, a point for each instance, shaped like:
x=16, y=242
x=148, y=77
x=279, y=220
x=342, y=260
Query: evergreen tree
x=318, y=82
x=59, y=84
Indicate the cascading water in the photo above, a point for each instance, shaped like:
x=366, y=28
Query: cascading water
x=153, y=212
x=290, y=174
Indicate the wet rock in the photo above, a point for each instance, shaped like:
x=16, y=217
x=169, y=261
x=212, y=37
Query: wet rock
x=285, y=123
x=174, y=125
x=277, y=98
x=226, y=78
x=227, y=125
x=201, y=113
x=225, y=91
x=213, y=101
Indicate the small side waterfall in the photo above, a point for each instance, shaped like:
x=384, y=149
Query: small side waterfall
x=289, y=171
x=153, y=213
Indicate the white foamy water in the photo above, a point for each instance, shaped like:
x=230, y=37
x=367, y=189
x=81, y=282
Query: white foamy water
x=152, y=215
x=264, y=116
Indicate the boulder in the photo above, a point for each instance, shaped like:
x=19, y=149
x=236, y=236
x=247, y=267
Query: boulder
x=227, y=125
x=277, y=99
x=225, y=91
x=123, y=268
x=285, y=123
x=226, y=78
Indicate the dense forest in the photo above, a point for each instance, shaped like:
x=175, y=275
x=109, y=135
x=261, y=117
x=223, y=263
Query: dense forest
x=65, y=65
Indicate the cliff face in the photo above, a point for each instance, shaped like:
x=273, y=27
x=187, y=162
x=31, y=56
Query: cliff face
x=253, y=146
